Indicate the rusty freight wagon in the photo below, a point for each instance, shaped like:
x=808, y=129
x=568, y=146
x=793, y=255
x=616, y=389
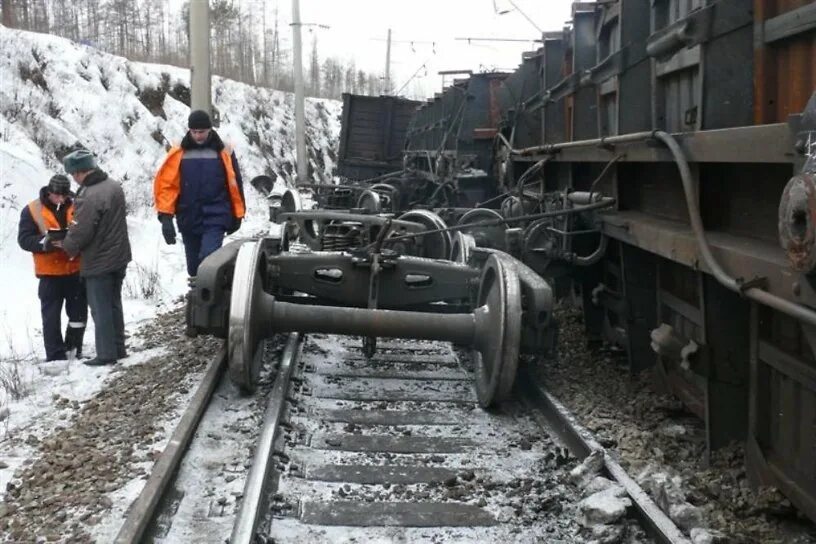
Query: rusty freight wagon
x=657, y=160
x=372, y=135
x=698, y=117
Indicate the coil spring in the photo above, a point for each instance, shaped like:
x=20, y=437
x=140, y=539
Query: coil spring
x=341, y=237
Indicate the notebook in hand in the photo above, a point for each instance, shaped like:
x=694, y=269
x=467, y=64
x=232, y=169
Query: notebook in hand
x=57, y=234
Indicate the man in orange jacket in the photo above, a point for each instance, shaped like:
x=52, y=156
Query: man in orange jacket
x=43, y=224
x=200, y=184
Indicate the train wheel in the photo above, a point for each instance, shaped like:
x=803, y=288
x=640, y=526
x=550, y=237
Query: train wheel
x=370, y=201
x=246, y=330
x=462, y=247
x=389, y=196
x=290, y=202
x=498, y=316
x=490, y=236
x=437, y=245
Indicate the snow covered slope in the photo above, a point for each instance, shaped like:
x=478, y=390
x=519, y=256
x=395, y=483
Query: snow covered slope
x=56, y=95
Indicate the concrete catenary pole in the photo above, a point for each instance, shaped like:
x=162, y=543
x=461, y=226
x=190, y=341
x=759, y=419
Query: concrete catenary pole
x=387, y=89
x=300, y=118
x=200, y=83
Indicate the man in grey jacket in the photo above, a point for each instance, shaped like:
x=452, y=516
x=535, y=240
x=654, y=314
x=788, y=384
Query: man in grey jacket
x=98, y=232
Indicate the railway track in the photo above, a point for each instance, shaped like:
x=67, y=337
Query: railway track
x=395, y=449
x=391, y=449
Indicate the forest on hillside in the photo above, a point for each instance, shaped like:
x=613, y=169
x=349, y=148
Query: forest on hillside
x=250, y=43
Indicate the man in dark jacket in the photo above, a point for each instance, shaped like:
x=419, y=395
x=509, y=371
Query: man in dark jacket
x=42, y=225
x=200, y=184
x=99, y=233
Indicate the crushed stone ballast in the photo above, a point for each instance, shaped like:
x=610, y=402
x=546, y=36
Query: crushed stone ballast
x=395, y=446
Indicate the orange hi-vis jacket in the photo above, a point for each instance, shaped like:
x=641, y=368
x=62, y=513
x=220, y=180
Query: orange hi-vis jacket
x=167, y=184
x=52, y=263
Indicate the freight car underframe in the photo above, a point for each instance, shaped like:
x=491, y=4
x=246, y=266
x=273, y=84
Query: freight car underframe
x=713, y=348
x=702, y=345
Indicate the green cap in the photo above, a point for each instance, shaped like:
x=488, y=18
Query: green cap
x=80, y=160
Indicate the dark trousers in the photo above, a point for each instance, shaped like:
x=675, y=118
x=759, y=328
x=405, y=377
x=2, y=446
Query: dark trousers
x=105, y=300
x=198, y=246
x=53, y=291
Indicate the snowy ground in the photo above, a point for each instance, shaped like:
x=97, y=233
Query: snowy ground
x=57, y=96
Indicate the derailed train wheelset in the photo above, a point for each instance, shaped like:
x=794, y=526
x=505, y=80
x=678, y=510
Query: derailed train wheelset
x=248, y=291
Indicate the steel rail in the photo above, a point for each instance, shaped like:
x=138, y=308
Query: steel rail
x=550, y=413
x=143, y=510
x=246, y=524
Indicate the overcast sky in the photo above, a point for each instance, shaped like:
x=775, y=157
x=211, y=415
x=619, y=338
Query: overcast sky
x=358, y=29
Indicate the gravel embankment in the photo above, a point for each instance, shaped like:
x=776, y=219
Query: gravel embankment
x=662, y=446
x=108, y=441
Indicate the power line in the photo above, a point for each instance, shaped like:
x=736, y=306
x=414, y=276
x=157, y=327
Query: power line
x=477, y=39
x=423, y=65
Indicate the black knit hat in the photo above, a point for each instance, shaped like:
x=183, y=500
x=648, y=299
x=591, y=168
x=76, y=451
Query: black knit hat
x=59, y=185
x=198, y=120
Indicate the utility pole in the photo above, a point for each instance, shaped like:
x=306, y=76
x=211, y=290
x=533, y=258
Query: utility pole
x=200, y=85
x=387, y=83
x=300, y=120
x=387, y=89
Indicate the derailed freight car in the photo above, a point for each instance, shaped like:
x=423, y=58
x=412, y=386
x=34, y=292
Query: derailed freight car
x=698, y=117
x=450, y=139
x=660, y=158
x=372, y=135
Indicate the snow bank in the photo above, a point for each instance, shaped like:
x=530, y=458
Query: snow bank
x=56, y=96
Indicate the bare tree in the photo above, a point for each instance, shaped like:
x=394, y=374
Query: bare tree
x=350, y=78
x=8, y=13
x=275, y=60
x=314, y=69
x=247, y=42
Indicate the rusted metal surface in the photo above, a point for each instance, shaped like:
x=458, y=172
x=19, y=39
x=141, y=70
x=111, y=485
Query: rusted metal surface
x=753, y=144
x=782, y=407
x=372, y=134
x=784, y=69
x=797, y=222
x=494, y=114
x=675, y=241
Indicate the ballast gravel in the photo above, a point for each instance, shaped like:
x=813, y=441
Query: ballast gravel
x=110, y=440
x=662, y=445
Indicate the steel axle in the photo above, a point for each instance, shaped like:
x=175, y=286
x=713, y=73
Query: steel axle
x=492, y=329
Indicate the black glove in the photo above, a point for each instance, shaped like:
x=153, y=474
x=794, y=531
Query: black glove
x=47, y=245
x=236, y=224
x=168, y=230
x=52, y=242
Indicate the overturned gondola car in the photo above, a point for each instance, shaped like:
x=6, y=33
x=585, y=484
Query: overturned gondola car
x=658, y=159
x=699, y=119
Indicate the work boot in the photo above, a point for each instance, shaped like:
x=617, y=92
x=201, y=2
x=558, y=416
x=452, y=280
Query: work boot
x=96, y=361
x=73, y=340
x=59, y=356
